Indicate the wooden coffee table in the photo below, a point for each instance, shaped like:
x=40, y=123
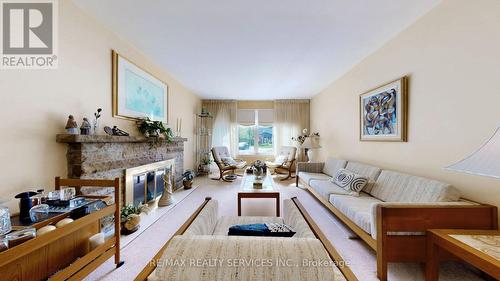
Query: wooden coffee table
x=268, y=190
x=480, y=248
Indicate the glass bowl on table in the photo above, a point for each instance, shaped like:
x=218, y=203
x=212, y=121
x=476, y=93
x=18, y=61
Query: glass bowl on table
x=39, y=212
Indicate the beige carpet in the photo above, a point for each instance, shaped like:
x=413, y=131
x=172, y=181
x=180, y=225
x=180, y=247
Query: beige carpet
x=361, y=259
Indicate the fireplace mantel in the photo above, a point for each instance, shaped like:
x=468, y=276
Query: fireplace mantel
x=105, y=157
x=67, y=138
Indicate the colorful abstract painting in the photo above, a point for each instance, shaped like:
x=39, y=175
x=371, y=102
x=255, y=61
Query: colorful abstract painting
x=383, y=112
x=136, y=93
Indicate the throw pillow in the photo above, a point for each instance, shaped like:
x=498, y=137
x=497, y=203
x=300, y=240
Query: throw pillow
x=350, y=181
x=228, y=161
x=262, y=229
x=280, y=159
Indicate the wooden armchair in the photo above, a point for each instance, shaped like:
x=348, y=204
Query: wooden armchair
x=284, y=161
x=225, y=162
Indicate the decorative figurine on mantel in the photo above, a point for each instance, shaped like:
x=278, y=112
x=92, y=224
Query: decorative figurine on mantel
x=85, y=127
x=115, y=131
x=166, y=198
x=71, y=126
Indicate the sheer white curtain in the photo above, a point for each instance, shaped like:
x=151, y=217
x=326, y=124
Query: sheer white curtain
x=224, y=125
x=290, y=118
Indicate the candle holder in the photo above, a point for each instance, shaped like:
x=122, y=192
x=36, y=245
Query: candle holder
x=178, y=127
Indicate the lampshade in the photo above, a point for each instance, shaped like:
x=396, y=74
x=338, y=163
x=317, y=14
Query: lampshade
x=311, y=142
x=485, y=161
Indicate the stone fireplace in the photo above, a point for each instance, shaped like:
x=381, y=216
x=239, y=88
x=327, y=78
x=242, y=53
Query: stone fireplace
x=107, y=157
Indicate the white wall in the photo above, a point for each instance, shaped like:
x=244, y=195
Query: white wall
x=35, y=104
x=453, y=60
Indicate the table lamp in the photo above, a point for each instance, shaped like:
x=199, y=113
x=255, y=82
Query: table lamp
x=312, y=145
x=483, y=162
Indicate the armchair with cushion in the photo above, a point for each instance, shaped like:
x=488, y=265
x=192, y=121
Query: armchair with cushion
x=284, y=160
x=225, y=162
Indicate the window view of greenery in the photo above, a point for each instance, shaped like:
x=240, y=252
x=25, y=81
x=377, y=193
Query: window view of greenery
x=255, y=138
x=265, y=139
x=246, y=139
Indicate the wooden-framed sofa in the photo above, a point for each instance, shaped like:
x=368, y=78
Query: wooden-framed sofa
x=394, y=210
x=205, y=230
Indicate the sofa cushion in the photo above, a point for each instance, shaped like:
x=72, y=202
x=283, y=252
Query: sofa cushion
x=371, y=172
x=307, y=177
x=229, y=252
x=326, y=187
x=294, y=218
x=357, y=209
x=398, y=187
x=220, y=152
x=224, y=223
x=332, y=165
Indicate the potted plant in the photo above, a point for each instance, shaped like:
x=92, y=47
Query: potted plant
x=187, y=179
x=259, y=169
x=205, y=164
x=150, y=128
x=130, y=218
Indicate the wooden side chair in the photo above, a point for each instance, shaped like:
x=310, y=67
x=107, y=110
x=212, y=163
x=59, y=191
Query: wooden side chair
x=226, y=163
x=284, y=161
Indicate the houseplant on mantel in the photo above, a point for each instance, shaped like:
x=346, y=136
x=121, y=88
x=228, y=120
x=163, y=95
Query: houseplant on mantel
x=154, y=129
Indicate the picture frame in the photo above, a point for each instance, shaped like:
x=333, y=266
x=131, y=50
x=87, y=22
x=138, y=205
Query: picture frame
x=137, y=94
x=384, y=112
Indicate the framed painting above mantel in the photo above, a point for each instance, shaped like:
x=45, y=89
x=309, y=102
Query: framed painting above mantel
x=136, y=93
x=384, y=112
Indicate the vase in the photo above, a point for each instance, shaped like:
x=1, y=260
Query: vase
x=187, y=184
x=312, y=155
x=95, y=127
x=131, y=225
x=259, y=173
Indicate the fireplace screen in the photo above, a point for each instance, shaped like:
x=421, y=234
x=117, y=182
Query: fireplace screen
x=139, y=182
x=144, y=184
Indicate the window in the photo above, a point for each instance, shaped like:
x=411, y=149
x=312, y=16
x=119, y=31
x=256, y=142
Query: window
x=255, y=131
x=246, y=139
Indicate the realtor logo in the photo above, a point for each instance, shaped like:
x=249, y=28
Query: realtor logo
x=29, y=34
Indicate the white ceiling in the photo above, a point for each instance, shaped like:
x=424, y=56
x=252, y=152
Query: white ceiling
x=258, y=49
